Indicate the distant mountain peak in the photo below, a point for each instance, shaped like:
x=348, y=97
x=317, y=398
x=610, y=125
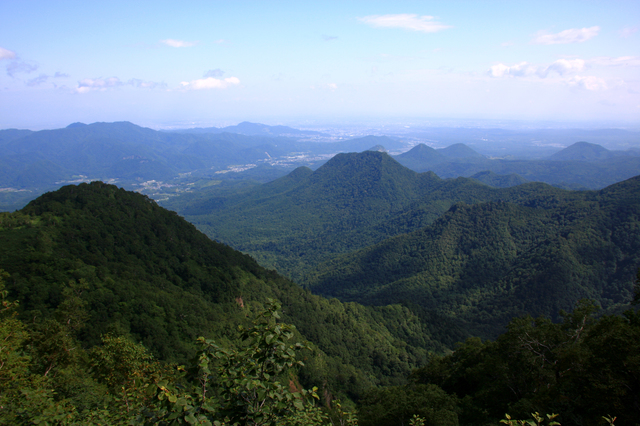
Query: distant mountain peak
x=76, y=124
x=459, y=150
x=366, y=165
x=582, y=151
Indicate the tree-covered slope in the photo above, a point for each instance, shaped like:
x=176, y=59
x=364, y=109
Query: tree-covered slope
x=145, y=272
x=351, y=202
x=485, y=263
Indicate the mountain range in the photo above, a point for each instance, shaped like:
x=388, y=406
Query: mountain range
x=143, y=272
x=582, y=165
x=364, y=228
x=163, y=164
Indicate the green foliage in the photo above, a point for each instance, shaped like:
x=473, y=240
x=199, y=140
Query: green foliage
x=93, y=260
x=249, y=379
x=582, y=367
x=485, y=263
x=254, y=384
x=536, y=420
x=398, y=405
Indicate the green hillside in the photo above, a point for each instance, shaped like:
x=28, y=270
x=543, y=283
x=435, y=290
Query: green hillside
x=488, y=262
x=353, y=201
x=144, y=272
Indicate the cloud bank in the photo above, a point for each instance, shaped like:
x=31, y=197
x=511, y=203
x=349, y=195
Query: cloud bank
x=588, y=82
x=210, y=83
x=413, y=22
x=524, y=69
x=574, y=35
x=102, y=84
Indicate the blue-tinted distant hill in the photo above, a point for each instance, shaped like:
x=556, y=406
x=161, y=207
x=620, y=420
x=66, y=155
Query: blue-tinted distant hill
x=34, y=162
x=584, y=151
x=580, y=166
x=253, y=129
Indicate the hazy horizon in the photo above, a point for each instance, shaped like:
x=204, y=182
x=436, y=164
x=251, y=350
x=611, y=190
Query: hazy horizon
x=561, y=64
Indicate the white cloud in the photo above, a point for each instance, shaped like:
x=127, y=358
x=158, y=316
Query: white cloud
x=328, y=37
x=425, y=24
x=574, y=35
x=588, y=82
x=101, y=84
x=332, y=86
x=564, y=66
x=6, y=54
x=178, y=43
x=518, y=70
x=525, y=69
x=210, y=83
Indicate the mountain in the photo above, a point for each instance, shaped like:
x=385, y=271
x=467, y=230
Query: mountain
x=583, y=151
x=352, y=201
x=143, y=272
x=364, y=228
x=566, y=169
x=254, y=129
x=459, y=151
x=485, y=263
x=419, y=157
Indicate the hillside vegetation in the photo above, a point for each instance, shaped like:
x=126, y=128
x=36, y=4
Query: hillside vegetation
x=111, y=291
x=363, y=228
x=144, y=272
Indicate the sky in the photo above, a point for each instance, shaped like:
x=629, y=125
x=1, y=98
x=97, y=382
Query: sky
x=166, y=64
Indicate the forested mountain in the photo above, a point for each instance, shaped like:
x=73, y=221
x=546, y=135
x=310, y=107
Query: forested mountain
x=98, y=271
x=353, y=201
x=489, y=262
x=530, y=248
x=143, y=272
x=166, y=164
x=580, y=166
x=152, y=161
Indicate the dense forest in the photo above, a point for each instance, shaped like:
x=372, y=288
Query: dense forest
x=363, y=228
x=105, y=295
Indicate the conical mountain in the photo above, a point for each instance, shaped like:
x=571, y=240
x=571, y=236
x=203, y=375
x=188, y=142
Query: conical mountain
x=460, y=151
x=420, y=157
x=352, y=201
x=582, y=151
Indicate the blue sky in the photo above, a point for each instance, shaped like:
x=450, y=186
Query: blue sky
x=167, y=64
